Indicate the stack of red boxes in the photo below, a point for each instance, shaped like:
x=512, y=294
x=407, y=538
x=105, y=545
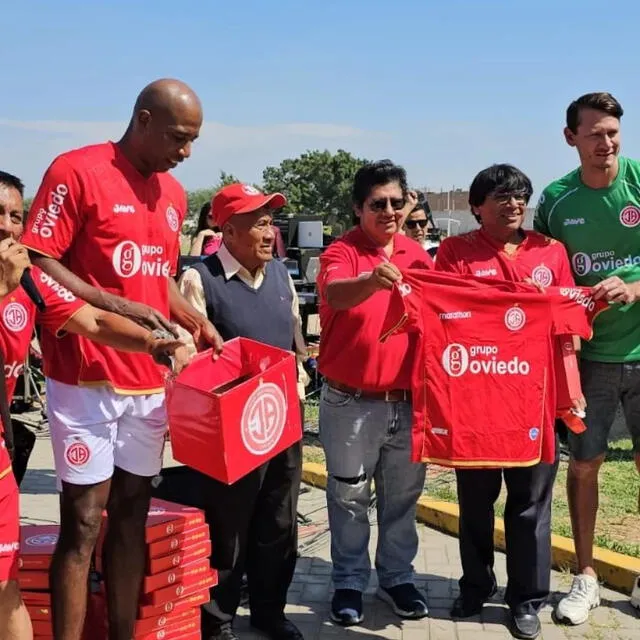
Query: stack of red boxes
x=36, y=548
x=177, y=581
x=178, y=575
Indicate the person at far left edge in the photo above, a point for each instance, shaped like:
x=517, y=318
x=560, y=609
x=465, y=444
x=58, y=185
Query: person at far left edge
x=105, y=224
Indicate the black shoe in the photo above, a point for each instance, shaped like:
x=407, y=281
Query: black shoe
x=525, y=625
x=278, y=629
x=346, y=607
x=405, y=600
x=469, y=604
x=223, y=632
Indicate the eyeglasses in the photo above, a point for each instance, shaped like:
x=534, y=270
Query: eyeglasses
x=412, y=224
x=381, y=204
x=505, y=198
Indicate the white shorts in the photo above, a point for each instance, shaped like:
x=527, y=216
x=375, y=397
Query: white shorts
x=94, y=429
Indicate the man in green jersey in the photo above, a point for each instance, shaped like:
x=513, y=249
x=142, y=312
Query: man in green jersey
x=595, y=212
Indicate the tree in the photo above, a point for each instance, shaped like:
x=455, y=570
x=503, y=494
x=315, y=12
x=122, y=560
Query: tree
x=195, y=200
x=316, y=183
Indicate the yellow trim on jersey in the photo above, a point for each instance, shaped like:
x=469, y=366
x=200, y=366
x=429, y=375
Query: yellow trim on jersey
x=122, y=392
x=481, y=463
x=41, y=252
x=399, y=325
x=6, y=472
x=60, y=331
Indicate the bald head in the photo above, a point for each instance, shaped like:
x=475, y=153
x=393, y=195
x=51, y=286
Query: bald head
x=167, y=95
x=166, y=120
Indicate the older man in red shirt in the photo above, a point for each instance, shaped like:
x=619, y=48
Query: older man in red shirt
x=365, y=410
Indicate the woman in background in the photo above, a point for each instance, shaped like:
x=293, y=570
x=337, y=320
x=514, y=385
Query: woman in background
x=207, y=239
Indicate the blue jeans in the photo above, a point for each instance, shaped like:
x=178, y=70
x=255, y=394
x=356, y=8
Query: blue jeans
x=366, y=440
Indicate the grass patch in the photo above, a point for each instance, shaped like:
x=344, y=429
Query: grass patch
x=618, y=523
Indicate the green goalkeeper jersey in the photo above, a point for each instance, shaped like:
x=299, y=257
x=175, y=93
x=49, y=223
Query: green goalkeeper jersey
x=601, y=230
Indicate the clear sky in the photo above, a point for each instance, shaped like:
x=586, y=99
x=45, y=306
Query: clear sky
x=444, y=88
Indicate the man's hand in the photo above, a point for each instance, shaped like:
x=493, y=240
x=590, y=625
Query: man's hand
x=580, y=406
x=146, y=316
x=613, y=289
x=206, y=335
x=181, y=359
x=14, y=259
x=384, y=276
x=161, y=346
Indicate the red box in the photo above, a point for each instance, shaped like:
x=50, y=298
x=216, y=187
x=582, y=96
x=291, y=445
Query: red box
x=177, y=591
x=179, y=558
x=182, y=604
x=174, y=632
x=156, y=623
x=33, y=580
x=175, y=543
x=180, y=575
x=36, y=598
x=227, y=432
x=168, y=518
x=39, y=613
x=37, y=544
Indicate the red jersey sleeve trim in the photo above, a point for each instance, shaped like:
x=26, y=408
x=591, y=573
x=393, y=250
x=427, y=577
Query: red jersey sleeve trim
x=40, y=251
x=5, y=472
x=488, y=464
x=396, y=327
x=61, y=331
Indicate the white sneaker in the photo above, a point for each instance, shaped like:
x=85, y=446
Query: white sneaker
x=635, y=594
x=584, y=595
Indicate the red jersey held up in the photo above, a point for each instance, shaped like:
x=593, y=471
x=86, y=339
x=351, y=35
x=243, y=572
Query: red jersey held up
x=18, y=318
x=483, y=383
x=350, y=351
x=539, y=258
x=118, y=231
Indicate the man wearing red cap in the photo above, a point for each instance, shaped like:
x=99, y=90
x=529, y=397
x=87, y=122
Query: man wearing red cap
x=245, y=293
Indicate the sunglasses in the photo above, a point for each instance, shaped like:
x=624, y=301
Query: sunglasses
x=412, y=224
x=381, y=204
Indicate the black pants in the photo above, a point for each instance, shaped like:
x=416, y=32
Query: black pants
x=527, y=519
x=254, y=530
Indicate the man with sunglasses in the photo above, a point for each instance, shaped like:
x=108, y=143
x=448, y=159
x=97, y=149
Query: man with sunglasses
x=420, y=227
x=365, y=407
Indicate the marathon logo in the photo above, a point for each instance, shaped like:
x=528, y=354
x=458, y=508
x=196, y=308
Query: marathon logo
x=600, y=262
x=46, y=219
x=480, y=359
x=579, y=298
x=56, y=287
x=129, y=259
x=455, y=315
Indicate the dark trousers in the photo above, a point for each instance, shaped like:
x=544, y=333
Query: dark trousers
x=254, y=530
x=527, y=519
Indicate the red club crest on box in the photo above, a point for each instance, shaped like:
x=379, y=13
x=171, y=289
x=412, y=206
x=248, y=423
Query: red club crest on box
x=37, y=544
x=228, y=417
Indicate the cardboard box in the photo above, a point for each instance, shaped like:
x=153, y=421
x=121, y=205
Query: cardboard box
x=42, y=628
x=174, y=632
x=182, y=604
x=179, y=575
x=179, y=558
x=36, y=598
x=39, y=613
x=226, y=430
x=33, y=580
x=168, y=518
x=176, y=592
x=37, y=544
x=148, y=625
x=175, y=543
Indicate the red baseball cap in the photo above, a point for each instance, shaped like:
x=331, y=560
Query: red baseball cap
x=239, y=198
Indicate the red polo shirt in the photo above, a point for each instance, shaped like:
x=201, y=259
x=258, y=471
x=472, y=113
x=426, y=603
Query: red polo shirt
x=350, y=348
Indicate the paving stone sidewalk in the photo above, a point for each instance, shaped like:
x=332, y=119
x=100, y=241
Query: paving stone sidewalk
x=437, y=567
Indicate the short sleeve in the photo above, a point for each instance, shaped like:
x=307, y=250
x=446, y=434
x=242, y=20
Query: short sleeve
x=574, y=310
x=403, y=313
x=336, y=263
x=564, y=274
x=541, y=216
x=55, y=216
x=60, y=304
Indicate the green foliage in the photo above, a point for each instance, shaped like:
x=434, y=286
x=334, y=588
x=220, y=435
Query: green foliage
x=316, y=183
